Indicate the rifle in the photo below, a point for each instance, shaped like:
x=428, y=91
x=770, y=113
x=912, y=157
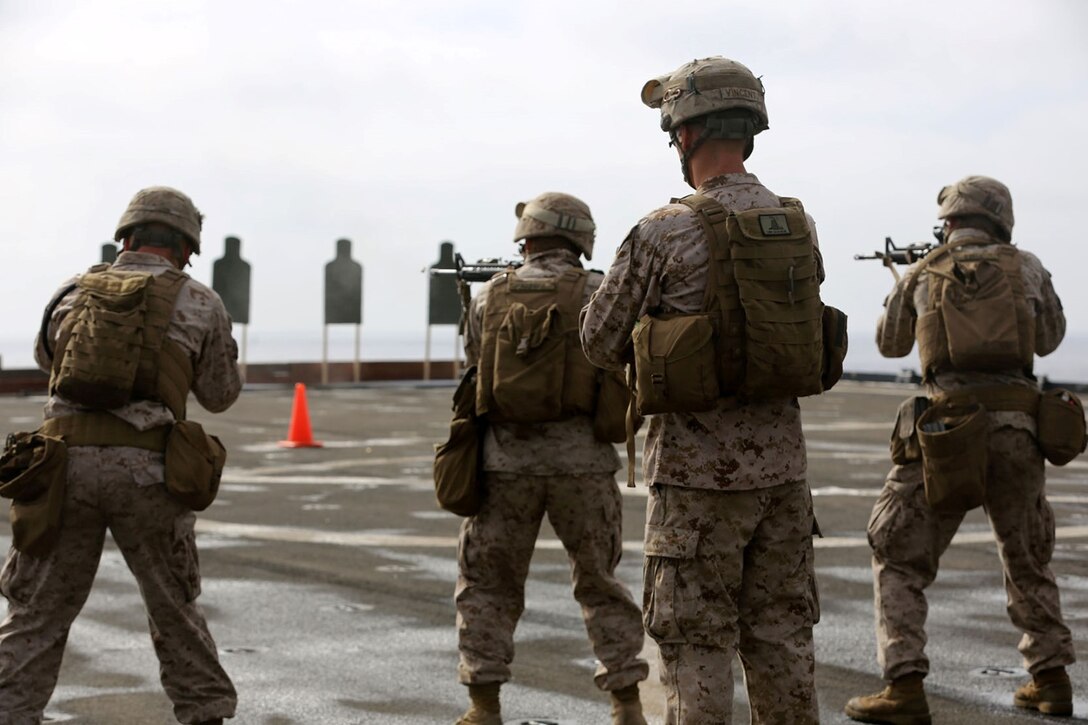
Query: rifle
x=909, y=254
x=482, y=271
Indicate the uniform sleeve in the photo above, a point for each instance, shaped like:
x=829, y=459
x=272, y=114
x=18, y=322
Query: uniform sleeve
x=216, y=379
x=607, y=321
x=895, y=328
x=57, y=309
x=1049, y=316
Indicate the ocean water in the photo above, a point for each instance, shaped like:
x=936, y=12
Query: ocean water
x=1068, y=364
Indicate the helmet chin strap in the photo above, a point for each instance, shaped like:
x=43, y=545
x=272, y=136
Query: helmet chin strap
x=686, y=154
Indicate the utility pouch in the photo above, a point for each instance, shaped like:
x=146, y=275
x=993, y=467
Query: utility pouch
x=610, y=418
x=194, y=464
x=675, y=364
x=457, y=462
x=527, y=383
x=1062, y=435
x=836, y=343
x=904, y=441
x=953, y=439
x=34, y=475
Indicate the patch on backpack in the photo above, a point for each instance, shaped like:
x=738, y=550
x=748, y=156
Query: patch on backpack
x=774, y=225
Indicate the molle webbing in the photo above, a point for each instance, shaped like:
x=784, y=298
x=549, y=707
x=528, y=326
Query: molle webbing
x=104, y=429
x=112, y=348
x=1013, y=398
x=164, y=372
x=721, y=290
x=763, y=280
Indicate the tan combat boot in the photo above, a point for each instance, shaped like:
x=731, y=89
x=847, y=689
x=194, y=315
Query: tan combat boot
x=903, y=702
x=626, y=707
x=484, y=706
x=1049, y=692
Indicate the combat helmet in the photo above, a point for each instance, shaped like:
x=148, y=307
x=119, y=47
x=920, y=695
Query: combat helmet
x=722, y=92
x=164, y=205
x=978, y=195
x=553, y=214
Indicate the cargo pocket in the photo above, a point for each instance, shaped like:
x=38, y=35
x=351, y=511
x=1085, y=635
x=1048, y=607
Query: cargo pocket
x=888, y=519
x=184, y=557
x=663, y=604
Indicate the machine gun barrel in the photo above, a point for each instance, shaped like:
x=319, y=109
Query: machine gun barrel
x=480, y=271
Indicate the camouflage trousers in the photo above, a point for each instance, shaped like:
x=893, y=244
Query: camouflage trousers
x=493, y=561
x=732, y=573
x=155, y=536
x=908, y=539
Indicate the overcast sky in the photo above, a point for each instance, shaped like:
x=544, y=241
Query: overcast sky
x=401, y=124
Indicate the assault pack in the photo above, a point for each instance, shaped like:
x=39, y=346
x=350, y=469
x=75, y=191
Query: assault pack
x=112, y=347
x=532, y=368
x=763, y=331
x=979, y=318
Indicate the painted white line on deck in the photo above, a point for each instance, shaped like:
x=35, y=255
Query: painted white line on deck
x=298, y=535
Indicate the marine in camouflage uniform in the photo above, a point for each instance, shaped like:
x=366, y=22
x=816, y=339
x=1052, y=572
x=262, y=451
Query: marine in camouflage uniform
x=531, y=470
x=729, y=558
x=908, y=537
x=120, y=489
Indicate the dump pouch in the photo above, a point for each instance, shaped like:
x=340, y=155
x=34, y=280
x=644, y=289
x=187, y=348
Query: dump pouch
x=610, y=418
x=457, y=462
x=34, y=475
x=675, y=364
x=953, y=439
x=194, y=464
x=1062, y=435
x=904, y=439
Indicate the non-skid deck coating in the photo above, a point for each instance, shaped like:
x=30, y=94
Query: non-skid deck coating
x=328, y=579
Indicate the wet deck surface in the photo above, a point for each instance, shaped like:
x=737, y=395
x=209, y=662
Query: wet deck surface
x=328, y=578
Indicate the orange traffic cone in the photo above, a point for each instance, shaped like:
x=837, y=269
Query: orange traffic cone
x=299, y=434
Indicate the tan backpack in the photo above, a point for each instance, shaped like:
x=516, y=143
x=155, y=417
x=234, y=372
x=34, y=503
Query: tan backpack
x=532, y=368
x=112, y=346
x=979, y=318
x=764, y=332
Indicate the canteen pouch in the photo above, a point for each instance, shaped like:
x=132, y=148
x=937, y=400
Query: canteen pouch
x=836, y=343
x=194, y=464
x=904, y=440
x=457, y=462
x=675, y=364
x=953, y=439
x=527, y=384
x=1062, y=435
x=610, y=418
x=34, y=475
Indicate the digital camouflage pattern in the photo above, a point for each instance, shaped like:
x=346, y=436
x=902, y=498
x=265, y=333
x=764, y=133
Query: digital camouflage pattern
x=661, y=268
x=908, y=538
x=120, y=489
x=728, y=541
x=518, y=447
x=556, y=469
x=155, y=535
x=732, y=573
x=495, y=548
